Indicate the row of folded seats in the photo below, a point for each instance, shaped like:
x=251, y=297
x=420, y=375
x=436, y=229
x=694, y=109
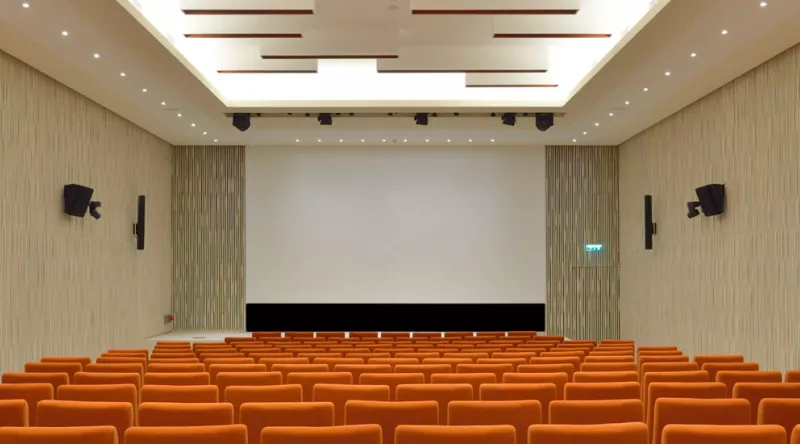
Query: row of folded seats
x=515, y=389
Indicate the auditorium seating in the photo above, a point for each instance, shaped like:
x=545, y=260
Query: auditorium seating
x=493, y=387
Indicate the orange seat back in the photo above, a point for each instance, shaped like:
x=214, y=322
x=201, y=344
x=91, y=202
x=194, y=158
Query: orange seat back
x=452, y=362
x=756, y=391
x=557, y=379
x=257, y=416
x=693, y=390
x=596, y=412
x=80, y=413
x=715, y=367
x=225, y=379
x=13, y=413
x=628, y=433
x=168, y=414
x=698, y=411
x=654, y=377
x=730, y=378
x=340, y=394
x=214, y=369
x=784, y=412
x=426, y=369
x=310, y=379
x=176, y=368
x=716, y=434
x=441, y=393
x=54, y=379
x=598, y=367
x=491, y=434
x=333, y=362
x=390, y=415
x=99, y=393
x=474, y=379
x=180, y=393
x=519, y=414
x=177, y=379
x=115, y=368
x=82, y=360
x=704, y=359
x=357, y=434
x=239, y=395
x=227, y=434
x=32, y=393
x=631, y=376
x=391, y=380
x=60, y=435
x=70, y=368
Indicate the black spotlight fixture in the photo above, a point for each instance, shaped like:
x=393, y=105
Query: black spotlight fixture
x=544, y=121
x=241, y=121
x=421, y=119
x=509, y=119
x=93, y=206
x=325, y=119
x=693, y=212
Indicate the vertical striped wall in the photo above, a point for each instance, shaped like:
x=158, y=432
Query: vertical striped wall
x=76, y=286
x=582, y=208
x=208, y=238
x=728, y=284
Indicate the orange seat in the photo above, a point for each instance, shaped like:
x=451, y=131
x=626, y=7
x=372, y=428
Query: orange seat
x=160, y=414
x=340, y=394
x=473, y=356
x=390, y=415
x=557, y=379
x=793, y=376
x=32, y=393
x=256, y=416
x=628, y=433
x=82, y=360
x=704, y=359
x=54, y=379
x=515, y=354
x=756, y=391
x=285, y=369
x=393, y=362
x=227, y=434
x=13, y=413
x=474, y=379
x=208, y=362
x=698, y=411
x=162, y=355
x=599, y=377
x=715, y=367
x=356, y=434
x=80, y=413
x=497, y=369
x=596, y=412
x=591, y=391
x=452, y=362
x=599, y=367
x=515, y=362
x=665, y=367
x=730, y=378
x=613, y=358
x=274, y=360
x=176, y=368
x=784, y=412
x=693, y=390
x=84, y=378
x=566, y=368
x=641, y=360
x=122, y=360
x=359, y=369
x=60, y=435
x=491, y=434
x=519, y=414
x=100, y=393
x=175, y=361
x=225, y=380
x=426, y=369
x=180, y=393
x=333, y=362
x=177, y=379
x=717, y=434
x=239, y=395
x=115, y=368
x=574, y=361
x=441, y=393
x=420, y=356
x=70, y=368
x=656, y=377
x=311, y=379
x=391, y=380
x=214, y=369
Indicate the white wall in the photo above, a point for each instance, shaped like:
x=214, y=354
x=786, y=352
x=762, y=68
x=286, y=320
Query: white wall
x=395, y=224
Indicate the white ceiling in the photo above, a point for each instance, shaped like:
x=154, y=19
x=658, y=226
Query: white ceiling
x=637, y=61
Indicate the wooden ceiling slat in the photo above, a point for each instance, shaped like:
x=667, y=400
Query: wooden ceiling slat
x=248, y=11
x=552, y=36
x=462, y=71
x=494, y=11
x=244, y=36
x=328, y=57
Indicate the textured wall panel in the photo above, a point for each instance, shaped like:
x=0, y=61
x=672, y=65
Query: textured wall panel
x=582, y=208
x=726, y=284
x=208, y=238
x=71, y=286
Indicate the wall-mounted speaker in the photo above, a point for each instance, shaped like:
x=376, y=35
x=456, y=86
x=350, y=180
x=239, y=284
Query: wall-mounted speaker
x=649, y=225
x=138, y=227
x=77, y=199
x=712, y=199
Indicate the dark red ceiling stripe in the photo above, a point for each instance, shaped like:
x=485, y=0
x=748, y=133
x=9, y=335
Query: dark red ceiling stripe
x=494, y=11
x=552, y=36
x=244, y=36
x=465, y=71
x=327, y=57
x=248, y=11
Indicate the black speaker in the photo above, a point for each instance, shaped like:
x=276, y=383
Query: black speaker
x=138, y=227
x=77, y=199
x=649, y=225
x=712, y=199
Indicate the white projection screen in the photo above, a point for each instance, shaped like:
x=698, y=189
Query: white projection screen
x=395, y=225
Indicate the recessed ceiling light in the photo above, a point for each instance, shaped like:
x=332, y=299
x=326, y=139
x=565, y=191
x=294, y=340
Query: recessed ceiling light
x=362, y=140
x=724, y=32
x=163, y=103
x=215, y=140
x=384, y=140
x=96, y=55
x=574, y=140
x=427, y=140
x=180, y=115
x=193, y=125
x=470, y=140
x=693, y=55
x=122, y=74
x=585, y=133
x=405, y=140
x=297, y=140
x=597, y=124
x=646, y=89
x=627, y=102
x=763, y=4
x=319, y=140
x=610, y=114
x=341, y=140
x=492, y=141
x=65, y=33
x=144, y=90
x=667, y=73
x=26, y=5
x=448, y=140
x=205, y=133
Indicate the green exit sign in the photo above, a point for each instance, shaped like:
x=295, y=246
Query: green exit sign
x=592, y=248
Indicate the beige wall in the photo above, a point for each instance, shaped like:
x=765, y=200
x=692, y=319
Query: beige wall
x=728, y=284
x=208, y=238
x=71, y=286
x=582, y=208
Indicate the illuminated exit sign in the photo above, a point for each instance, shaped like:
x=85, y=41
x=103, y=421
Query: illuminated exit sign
x=591, y=248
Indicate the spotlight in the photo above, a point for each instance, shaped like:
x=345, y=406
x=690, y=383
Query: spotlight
x=693, y=206
x=325, y=119
x=93, y=206
x=509, y=119
x=241, y=121
x=544, y=121
x=421, y=119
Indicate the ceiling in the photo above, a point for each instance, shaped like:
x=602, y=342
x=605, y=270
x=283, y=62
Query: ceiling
x=609, y=88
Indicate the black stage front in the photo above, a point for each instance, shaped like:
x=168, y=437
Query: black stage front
x=395, y=317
